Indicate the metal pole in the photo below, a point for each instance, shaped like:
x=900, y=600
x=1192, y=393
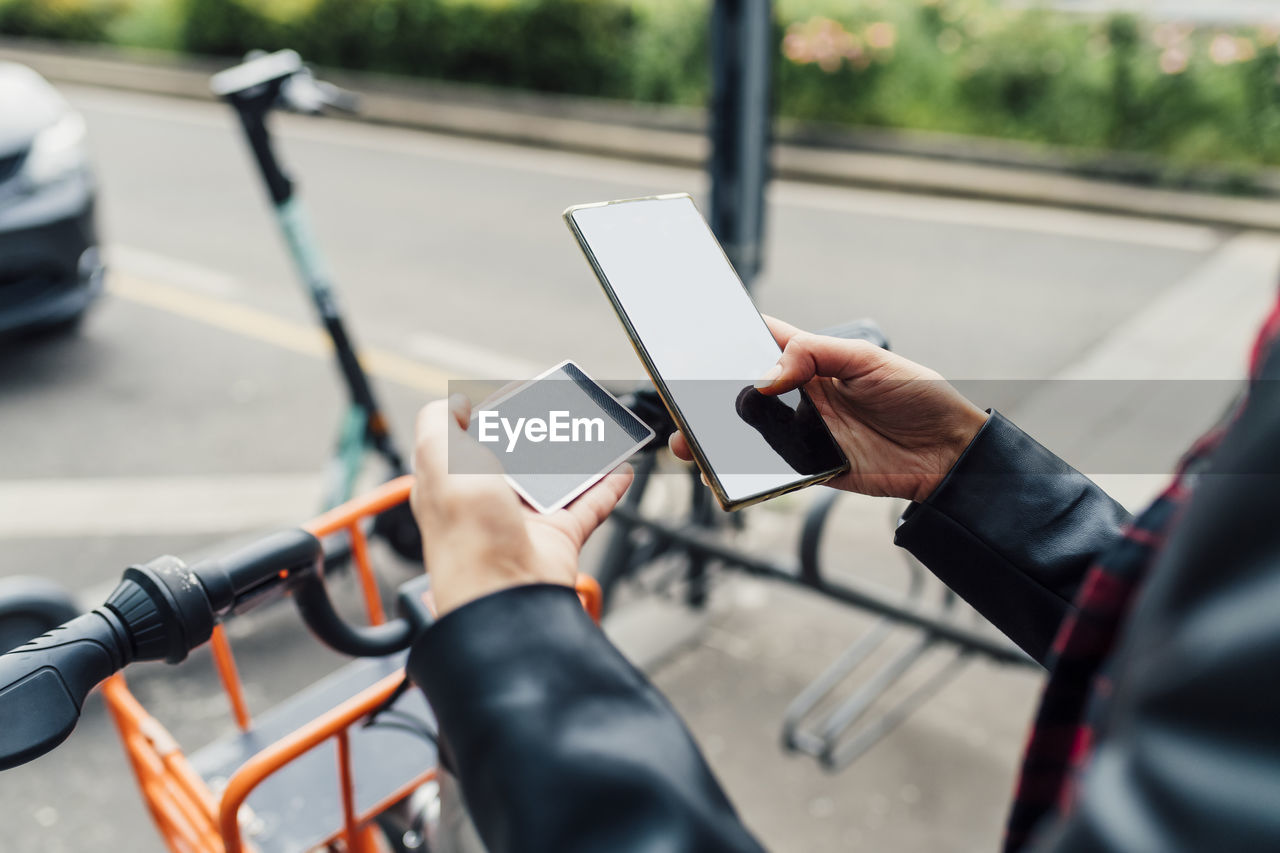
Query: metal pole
x=741, y=71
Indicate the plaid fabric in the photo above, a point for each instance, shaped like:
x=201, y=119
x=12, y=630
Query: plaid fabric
x=1079, y=683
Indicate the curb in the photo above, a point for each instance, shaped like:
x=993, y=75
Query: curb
x=667, y=135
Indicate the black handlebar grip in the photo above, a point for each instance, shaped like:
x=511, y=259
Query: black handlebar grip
x=43, y=684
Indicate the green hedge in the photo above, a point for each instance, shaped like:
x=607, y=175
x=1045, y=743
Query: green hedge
x=547, y=45
x=1191, y=96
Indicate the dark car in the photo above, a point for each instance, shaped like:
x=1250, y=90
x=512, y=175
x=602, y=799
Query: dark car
x=50, y=266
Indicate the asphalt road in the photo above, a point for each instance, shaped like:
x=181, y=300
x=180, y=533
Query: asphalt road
x=198, y=375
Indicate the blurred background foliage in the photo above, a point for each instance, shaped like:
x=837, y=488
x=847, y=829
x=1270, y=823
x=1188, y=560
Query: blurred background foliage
x=1188, y=95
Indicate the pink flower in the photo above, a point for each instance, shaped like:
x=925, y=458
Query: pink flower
x=881, y=35
x=824, y=42
x=796, y=48
x=1224, y=50
x=1173, y=61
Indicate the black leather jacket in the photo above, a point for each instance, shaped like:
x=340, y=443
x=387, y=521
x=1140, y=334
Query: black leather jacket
x=562, y=746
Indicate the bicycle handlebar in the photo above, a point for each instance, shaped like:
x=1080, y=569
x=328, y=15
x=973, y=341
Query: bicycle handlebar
x=43, y=684
x=162, y=610
x=312, y=599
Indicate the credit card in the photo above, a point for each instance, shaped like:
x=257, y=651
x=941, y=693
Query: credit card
x=557, y=435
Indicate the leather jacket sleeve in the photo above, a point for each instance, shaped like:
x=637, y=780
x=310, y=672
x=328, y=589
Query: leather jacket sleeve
x=1187, y=754
x=558, y=742
x=1012, y=529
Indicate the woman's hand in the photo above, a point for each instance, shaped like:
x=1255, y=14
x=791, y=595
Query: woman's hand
x=478, y=537
x=901, y=425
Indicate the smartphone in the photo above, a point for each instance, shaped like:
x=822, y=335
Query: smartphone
x=557, y=435
x=704, y=345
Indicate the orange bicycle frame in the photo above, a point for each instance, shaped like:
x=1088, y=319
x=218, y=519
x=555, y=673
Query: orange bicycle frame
x=192, y=818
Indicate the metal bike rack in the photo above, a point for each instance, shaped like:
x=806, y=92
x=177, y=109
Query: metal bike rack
x=834, y=738
x=826, y=737
x=695, y=540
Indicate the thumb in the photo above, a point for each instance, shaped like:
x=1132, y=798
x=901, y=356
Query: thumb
x=591, y=509
x=808, y=355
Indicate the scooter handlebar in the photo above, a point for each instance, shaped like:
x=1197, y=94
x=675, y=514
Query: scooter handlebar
x=280, y=79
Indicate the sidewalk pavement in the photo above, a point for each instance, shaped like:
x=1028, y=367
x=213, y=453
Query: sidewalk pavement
x=670, y=135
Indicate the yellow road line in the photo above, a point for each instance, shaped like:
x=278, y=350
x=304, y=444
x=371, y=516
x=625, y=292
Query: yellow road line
x=267, y=328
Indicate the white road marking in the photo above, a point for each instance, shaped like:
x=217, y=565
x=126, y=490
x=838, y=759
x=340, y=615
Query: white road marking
x=210, y=296
x=904, y=206
x=469, y=360
x=156, y=267
x=253, y=323
x=138, y=506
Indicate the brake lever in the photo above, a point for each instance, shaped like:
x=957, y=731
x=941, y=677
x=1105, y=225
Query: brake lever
x=303, y=93
x=338, y=98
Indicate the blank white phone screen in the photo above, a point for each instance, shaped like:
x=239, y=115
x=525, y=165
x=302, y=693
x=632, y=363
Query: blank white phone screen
x=706, y=341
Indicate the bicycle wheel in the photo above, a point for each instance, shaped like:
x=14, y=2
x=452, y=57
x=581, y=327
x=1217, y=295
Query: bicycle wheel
x=434, y=819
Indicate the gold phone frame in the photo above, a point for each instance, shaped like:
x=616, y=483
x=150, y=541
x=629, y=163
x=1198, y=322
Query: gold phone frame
x=663, y=392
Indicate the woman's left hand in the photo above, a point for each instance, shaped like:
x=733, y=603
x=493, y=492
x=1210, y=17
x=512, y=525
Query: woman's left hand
x=478, y=537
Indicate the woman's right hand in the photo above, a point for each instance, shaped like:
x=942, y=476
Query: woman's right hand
x=900, y=424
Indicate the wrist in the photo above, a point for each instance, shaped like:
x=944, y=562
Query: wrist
x=968, y=422
x=460, y=576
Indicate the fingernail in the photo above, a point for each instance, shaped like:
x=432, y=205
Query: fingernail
x=770, y=377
